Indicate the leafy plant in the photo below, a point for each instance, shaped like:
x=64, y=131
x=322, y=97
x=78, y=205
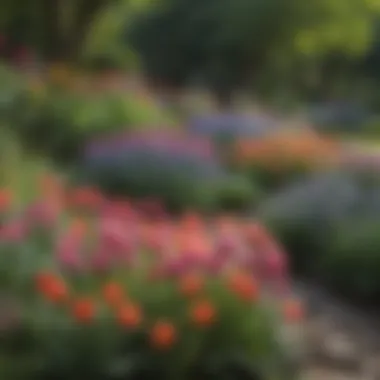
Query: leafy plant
x=351, y=265
x=99, y=288
x=180, y=170
x=69, y=118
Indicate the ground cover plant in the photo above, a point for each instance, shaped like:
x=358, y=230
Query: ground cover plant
x=108, y=289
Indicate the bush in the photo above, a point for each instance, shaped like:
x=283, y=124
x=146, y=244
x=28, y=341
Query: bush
x=68, y=119
x=134, y=304
x=303, y=214
x=328, y=226
x=237, y=193
x=181, y=171
x=352, y=263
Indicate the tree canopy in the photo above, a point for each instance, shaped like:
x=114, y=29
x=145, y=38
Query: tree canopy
x=227, y=43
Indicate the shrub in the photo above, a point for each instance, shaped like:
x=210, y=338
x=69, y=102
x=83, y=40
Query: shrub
x=117, y=294
x=328, y=225
x=69, y=118
x=181, y=171
x=302, y=215
x=351, y=265
x=237, y=193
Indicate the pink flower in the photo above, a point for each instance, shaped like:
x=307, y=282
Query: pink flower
x=101, y=262
x=14, y=231
x=43, y=213
x=175, y=267
x=274, y=261
x=225, y=247
x=215, y=264
x=115, y=237
x=117, y=210
x=69, y=252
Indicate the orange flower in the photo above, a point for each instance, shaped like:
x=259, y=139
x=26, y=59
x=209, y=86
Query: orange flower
x=113, y=294
x=129, y=316
x=293, y=311
x=83, y=310
x=163, y=335
x=51, y=287
x=244, y=286
x=191, y=284
x=203, y=313
x=5, y=199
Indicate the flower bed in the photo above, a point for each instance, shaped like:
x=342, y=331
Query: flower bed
x=277, y=159
x=103, y=289
x=181, y=170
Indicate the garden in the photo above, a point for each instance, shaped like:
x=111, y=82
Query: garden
x=148, y=235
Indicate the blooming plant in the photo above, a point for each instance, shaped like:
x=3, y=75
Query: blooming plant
x=69, y=111
x=279, y=158
x=182, y=170
x=99, y=288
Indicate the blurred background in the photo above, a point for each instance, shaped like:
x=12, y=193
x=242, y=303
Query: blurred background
x=256, y=108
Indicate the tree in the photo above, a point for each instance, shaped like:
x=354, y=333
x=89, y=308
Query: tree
x=57, y=28
x=228, y=43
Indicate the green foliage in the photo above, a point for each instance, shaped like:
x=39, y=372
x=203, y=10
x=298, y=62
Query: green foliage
x=68, y=119
x=227, y=43
x=370, y=129
x=329, y=228
x=275, y=177
x=180, y=181
x=59, y=32
x=12, y=87
x=238, y=193
x=302, y=215
x=351, y=265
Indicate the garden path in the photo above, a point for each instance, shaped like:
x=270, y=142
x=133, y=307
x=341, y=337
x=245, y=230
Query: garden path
x=342, y=342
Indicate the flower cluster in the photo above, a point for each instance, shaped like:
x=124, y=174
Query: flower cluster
x=161, y=140
x=288, y=148
x=154, y=283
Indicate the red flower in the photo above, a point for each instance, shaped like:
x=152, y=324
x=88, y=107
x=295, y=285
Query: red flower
x=129, y=316
x=52, y=287
x=113, y=294
x=84, y=310
x=163, y=335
